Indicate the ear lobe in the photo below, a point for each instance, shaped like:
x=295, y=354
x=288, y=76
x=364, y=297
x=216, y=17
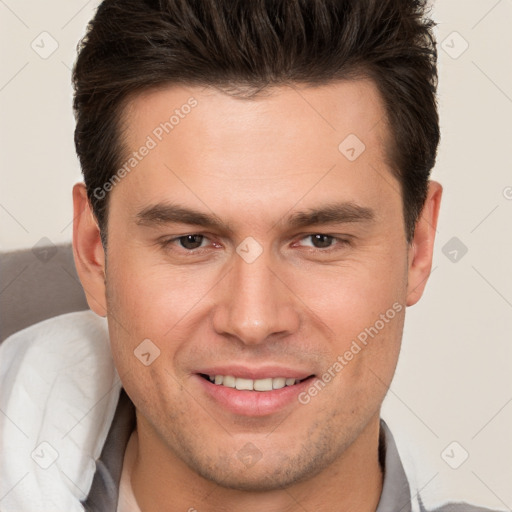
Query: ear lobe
x=88, y=251
x=422, y=245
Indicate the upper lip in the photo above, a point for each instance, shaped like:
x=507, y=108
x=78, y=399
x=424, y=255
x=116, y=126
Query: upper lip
x=262, y=372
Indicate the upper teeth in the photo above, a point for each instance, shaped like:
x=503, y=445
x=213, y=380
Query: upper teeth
x=252, y=384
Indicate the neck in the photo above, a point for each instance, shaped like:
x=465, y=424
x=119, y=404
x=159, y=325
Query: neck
x=162, y=482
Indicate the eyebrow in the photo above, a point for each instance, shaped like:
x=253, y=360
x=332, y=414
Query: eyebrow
x=334, y=213
x=165, y=213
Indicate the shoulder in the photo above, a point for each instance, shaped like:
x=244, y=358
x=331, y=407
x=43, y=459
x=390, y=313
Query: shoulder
x=59, y=387
x=456, y=507
x=404, y=456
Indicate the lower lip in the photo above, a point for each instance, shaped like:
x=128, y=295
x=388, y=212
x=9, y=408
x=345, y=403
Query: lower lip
x=254, y=403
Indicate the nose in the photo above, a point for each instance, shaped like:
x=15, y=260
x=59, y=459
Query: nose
x=255, y=303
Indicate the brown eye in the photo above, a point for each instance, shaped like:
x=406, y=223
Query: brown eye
x=191, y=241
x=321, y=241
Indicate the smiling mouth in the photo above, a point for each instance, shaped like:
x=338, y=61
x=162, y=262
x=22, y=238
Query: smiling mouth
x=262, y=385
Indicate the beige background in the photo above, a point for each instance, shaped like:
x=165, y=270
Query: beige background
x=453, y=381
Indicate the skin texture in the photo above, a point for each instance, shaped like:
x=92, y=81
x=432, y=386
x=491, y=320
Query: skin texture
x=251, y=164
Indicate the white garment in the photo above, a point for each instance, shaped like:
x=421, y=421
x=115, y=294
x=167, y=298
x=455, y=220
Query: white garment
x=58, y=394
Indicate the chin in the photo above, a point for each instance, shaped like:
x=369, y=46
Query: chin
x=263, y=476
x=242, y=480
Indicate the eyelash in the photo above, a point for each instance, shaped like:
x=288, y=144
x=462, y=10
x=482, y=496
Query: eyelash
x=343, y=242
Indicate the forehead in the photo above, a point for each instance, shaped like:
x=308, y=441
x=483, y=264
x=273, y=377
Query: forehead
x=228, y=123
x=291, y=140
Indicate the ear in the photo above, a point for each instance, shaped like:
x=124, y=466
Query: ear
x=422, y=245
x=88, y=251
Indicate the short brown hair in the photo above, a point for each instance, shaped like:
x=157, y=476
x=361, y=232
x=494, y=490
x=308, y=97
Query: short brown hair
x=245, y=46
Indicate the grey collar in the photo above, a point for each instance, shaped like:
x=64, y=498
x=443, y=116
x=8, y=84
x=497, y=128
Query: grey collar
x=396, y=494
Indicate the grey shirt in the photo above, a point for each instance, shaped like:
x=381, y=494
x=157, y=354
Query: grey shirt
x=104, y=493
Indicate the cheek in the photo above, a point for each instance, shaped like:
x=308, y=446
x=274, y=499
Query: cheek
x=352, y=297
x=361, y=309
x=150, y=313
x=152, y=298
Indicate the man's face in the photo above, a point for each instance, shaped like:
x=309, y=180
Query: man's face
x=257, y=295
